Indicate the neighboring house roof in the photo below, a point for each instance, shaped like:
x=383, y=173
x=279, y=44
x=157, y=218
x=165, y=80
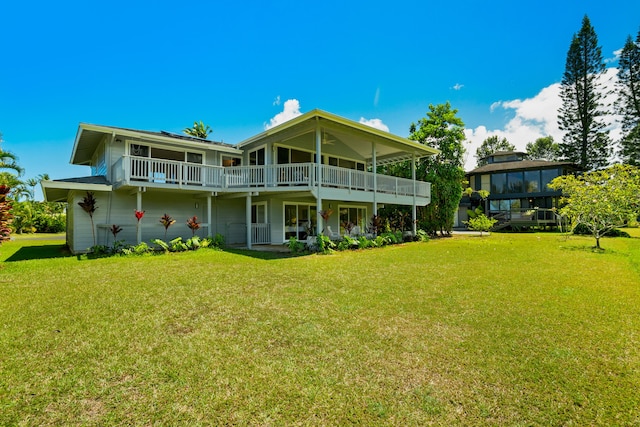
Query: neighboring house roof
x=357, y=137
x=89, y=136
x=519, y=165
x=57, y=190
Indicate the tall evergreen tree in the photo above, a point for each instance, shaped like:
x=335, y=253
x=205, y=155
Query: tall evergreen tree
x=586, y=141
x=628, y=104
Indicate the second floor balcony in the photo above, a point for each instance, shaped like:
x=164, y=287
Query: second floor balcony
x=132, y=170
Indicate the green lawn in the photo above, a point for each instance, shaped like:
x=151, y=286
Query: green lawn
x=511, y=329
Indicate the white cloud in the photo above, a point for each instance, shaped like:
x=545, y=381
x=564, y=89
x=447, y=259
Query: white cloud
x=536, y=117
x=276, y=101
x=457, y=86
x=374, y=123
x=291, y=110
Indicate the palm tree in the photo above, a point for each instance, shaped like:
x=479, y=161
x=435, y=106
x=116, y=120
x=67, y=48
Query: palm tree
x=8, y=161
x=199, y=130
x=32, y=182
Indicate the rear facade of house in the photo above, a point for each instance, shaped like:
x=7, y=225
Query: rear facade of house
x=265, y=190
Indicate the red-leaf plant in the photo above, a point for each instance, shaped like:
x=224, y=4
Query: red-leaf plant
x=139, y=215
x=167, y=221
x=115, y=229
x=193, y=224
x=88, y=204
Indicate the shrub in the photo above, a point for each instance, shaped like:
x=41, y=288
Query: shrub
x=295, y=246
x=583, y=230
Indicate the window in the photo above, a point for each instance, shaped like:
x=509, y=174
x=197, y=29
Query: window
x=194, y=158
x=547, y=176
x=299, y=220
x=515, y=182
x=532, y=181
x=499, y=183
x=139, y=150
x=228, y=161
x=356, y=215
x=256, y=157
x=259, y=213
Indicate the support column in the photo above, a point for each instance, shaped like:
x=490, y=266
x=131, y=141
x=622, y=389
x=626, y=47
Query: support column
x=248, y=220
x=413, y=176
x=319, y=221
x=139, y=208
x=209, y=215
x=374, y=167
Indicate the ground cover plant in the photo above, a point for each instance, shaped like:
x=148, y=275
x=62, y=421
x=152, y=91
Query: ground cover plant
x=510, y=329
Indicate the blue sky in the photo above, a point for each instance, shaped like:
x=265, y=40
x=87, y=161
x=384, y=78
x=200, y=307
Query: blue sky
x=161, y=65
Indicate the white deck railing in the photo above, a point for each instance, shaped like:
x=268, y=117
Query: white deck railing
x=131, y=168
x=261, y=233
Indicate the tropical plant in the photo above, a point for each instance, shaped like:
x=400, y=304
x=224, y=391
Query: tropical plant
x=88, y=204
x=167, y=222
x=199, y=130
x=324, y=244
x=139, y=215
x=480, y=222
x=586, y=140
x=115, y=229
x=5, y=214
x=8, y=160
x=193, y=224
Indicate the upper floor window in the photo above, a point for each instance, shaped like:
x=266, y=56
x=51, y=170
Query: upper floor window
x=140, y=150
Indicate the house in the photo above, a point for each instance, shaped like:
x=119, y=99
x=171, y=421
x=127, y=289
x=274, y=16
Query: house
x=519, y=196
x=264, y=190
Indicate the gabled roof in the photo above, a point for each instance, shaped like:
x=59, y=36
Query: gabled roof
x=358, y=137
x=89, y=137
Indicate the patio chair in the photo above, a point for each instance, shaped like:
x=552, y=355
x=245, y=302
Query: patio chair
x=331, y=234
x=355, y=231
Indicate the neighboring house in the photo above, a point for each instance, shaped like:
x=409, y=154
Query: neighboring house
x=265, y=190
x=519, y=195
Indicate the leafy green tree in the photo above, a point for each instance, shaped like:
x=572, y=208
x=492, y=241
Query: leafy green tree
x=544, y=148
x=444, y=130
x=628, y=105
x=199, y=130
x=481, y=223
x=491, y=145
x=586, y=141
x=601, y=200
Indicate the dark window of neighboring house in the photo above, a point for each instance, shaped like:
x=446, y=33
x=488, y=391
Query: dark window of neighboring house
x=359, y=166
x=515, y=182
x=499, y=183
x=283, y=155
x=547, y=176
x=333, y=161
x=532, y=181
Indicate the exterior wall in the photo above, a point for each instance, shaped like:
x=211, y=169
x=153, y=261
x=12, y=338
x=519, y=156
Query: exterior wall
x=81, y=239
x=228, y=217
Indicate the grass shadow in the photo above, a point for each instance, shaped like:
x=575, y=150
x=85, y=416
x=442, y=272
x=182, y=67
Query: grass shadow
x=264, y=255
x=39, y=252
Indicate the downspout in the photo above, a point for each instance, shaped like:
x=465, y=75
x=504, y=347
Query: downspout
x=248, y=219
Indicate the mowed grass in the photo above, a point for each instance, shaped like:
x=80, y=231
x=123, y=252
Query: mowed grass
x=511, y=329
